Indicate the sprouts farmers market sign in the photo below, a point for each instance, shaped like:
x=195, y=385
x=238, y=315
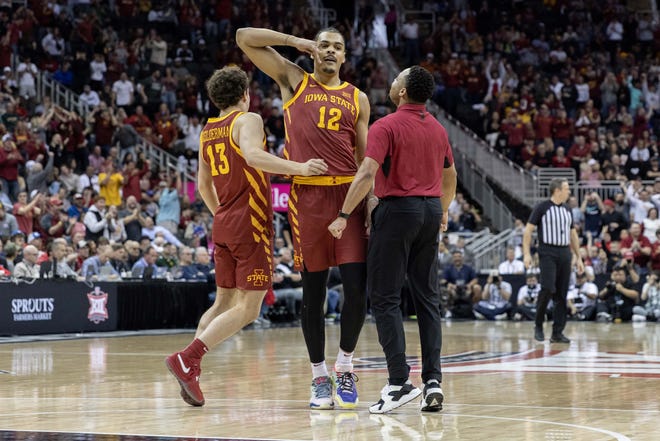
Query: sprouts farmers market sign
x=280, y=194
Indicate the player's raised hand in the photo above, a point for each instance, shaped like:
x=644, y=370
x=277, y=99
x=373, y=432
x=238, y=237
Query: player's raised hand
x=304, y=45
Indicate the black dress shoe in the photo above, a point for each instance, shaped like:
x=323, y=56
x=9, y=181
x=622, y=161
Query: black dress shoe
x=561, y=338
x=538, y=334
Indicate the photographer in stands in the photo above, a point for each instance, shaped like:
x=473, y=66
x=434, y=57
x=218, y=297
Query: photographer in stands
x=528, y=295
x=494, y=303
x=617, y=299
x=581, y=300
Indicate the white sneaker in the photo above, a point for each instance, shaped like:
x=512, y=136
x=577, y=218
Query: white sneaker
x=433, y=397
x=392, y=396
x=603, y=317
x=321, y=393
x=502, y=316
x=479, y=315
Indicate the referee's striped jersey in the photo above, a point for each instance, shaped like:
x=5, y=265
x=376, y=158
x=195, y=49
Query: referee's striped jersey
x=554, y=223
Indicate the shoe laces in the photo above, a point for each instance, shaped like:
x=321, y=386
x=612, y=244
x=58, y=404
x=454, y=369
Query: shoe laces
x=346, y=381
x=322, y=388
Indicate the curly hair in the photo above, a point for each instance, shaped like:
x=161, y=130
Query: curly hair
x=227, y=86
x=419, y=84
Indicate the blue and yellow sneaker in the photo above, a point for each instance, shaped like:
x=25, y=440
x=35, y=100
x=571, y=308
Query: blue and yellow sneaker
x=346, y=396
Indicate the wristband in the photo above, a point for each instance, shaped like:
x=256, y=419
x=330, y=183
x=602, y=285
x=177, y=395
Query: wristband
x=343, y=215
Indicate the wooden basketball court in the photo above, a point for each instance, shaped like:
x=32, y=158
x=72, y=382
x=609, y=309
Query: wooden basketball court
x=498, y=384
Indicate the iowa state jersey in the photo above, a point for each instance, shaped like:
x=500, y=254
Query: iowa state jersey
x=320, y=123
x=245, y=212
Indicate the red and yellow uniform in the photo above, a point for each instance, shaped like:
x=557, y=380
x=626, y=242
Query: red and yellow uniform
x=320, y=122
x=243, y=222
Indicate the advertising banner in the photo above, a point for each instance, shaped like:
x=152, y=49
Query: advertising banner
x=46, y=307
x=280, y=194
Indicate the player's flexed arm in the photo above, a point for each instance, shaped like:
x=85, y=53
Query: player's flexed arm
x=256, y=42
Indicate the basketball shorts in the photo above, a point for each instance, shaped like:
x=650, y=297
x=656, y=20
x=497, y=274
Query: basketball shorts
x=311, y=209
x=246, y=266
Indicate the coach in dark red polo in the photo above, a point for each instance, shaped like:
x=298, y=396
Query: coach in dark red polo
x=409, y=156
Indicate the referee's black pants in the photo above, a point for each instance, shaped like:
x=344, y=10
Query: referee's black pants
x=555, y=266
x=404, y=240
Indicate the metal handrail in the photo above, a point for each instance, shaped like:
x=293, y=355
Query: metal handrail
x=508, y=175
x=68, y=99
x=322, y=14
x=605, y=189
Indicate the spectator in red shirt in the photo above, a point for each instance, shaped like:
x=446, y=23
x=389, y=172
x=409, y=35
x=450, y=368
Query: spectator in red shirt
x=85, y=29
x=514, y=128
x=10, y=158
x=139, y=120
x=26, y=212
x=560, y=160
x=638, y=244
x=579, y=152
x=543, y=122
x=167, y=133
x=132, y=176
x=562, y=129
x=528, y=152
x=104, y=123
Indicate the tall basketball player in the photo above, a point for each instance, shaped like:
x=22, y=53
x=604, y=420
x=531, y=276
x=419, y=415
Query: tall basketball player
x=325, y=118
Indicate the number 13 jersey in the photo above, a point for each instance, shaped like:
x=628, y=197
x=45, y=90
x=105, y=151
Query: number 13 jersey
x=320, y=123
x=245, y=212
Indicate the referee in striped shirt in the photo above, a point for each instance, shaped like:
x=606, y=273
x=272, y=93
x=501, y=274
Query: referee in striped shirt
x=557, y=238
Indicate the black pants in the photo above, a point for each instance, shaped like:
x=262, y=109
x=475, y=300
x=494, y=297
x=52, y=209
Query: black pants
x=404, y=240
x=555, y=265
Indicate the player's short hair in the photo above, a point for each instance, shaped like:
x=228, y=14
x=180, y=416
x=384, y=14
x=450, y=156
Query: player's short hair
x=419, y=84
x=331, y=30
x=227, y=86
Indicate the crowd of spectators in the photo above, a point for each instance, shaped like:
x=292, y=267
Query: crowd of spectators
x=548, y=83
x=570, y=83
x=565, y=84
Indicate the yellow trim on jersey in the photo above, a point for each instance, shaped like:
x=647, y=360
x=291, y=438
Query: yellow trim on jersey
x=356, y=98
x=256, y=237
x=255, y=187
x=262, y=176
x=256, y=224
x=322, y=180
x=231, y=136
x=341, y=86
x=253, y=204
x=220, y=118
x=294, y=210
x=303, y=85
